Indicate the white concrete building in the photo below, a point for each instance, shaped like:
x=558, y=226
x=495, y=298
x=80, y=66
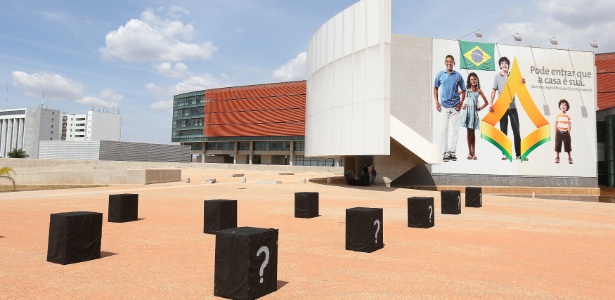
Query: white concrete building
x=93, y=126
x=23, y=128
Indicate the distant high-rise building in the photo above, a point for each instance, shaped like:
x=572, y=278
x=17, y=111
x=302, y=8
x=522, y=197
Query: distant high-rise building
x=93, y=126
x=23, y=128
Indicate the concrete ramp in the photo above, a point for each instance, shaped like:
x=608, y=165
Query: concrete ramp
x=425, y=150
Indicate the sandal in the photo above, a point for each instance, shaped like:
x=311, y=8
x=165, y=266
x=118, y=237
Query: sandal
x=474, y=157
x=557, y=160
x=470, y=157
x=570, y=161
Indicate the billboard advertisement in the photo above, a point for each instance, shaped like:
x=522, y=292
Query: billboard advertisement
x=527, y=112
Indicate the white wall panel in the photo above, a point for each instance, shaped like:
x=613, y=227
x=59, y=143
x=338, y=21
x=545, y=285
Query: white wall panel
x=358, y=77
x=358, y=128
x=338, y=42
x=359, y=26
x=348, y=83
x=348, y=31
x=372, y=24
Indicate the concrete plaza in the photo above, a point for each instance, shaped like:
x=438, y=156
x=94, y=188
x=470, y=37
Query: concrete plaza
x=510, y=248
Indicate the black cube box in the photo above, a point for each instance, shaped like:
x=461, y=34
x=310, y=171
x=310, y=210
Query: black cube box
x=451, y=202
x=474, y=197
x=219, y=214
x=364, y=227
x=246, y=263
x=420, y=212
x=123, y=208
x=306, y=205
x=74, y=237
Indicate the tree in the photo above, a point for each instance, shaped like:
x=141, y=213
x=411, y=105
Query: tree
x=17, y=153
x=6, y=172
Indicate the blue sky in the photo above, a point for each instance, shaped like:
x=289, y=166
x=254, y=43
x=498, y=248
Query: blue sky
x=133, y=56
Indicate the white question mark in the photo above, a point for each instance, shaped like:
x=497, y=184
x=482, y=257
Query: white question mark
x=459, y=202
x=480, y=199
x=266, y=262
x=430, y=213
x=377, y=222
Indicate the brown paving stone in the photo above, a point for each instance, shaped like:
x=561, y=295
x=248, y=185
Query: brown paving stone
x=510, y=248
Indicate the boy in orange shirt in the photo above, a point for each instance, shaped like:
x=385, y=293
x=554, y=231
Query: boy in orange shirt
x=563, y=125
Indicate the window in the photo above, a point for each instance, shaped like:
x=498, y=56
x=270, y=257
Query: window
x=51, y=126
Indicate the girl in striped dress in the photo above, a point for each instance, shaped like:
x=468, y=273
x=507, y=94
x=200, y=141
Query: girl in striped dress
x=469, y=114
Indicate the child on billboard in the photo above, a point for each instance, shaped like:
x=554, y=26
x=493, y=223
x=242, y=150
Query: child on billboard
x=563, y=125
x=469, y=114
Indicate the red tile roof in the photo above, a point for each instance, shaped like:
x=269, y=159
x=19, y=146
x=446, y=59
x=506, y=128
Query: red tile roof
x=605, y=67
x=276, y=109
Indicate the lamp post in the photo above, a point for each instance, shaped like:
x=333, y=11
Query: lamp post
x=476, y=32
x=516, y=36
x=552, y=40
x=592, y=44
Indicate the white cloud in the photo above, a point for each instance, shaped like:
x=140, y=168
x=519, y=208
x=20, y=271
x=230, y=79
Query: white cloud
x=53, y=86
x=163, y=105
x=195, y=83
x=108, y=98
x=294, y=69
x=571, y=22
x=178, y=70
x=190, y=84
x=156, y=39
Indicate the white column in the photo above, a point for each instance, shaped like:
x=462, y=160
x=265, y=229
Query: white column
x=20, y=129
x=3, y=137
x=251, y=150
x=204, y=151
x=292, y=153
x=14, y=133
x=235, y=150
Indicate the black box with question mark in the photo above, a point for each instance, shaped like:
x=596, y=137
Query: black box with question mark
x=420, y=212
x=474, y=197
x=364, y=227
x=450, y=202
x=246, y=262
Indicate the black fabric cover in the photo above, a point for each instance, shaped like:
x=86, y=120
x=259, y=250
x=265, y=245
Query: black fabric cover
x=362, y=233
x=123, y=208
x=74, y=237
x=451, y=202
x=237, y=265
x=420, y=212
x=219, y=214
x=306, y=205
x=474, y=197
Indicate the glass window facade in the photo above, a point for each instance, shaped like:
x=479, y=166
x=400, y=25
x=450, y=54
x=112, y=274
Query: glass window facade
x=300, y=160
x=188, y=111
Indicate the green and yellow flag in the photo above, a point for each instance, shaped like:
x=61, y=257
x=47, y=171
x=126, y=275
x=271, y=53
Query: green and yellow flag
x=476, y=56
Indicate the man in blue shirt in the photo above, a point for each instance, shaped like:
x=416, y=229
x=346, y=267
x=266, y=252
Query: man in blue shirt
x=448, y=103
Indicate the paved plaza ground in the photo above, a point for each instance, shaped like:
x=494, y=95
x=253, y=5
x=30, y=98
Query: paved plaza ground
x=511, y=248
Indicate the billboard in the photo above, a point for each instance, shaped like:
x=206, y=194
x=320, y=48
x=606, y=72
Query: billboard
x=537, y=81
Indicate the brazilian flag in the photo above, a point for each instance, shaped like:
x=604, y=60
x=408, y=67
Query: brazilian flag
x=476, y=56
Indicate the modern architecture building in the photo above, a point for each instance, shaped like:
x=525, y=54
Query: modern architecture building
x=605, y=117
x=256, y=124
x=113, y=151
x=370, y=100
x=92, y=126
x=24, y=128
